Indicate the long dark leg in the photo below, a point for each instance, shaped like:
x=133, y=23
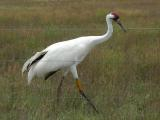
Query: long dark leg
x=83, y=94
x=60, y=84
x=59, y=89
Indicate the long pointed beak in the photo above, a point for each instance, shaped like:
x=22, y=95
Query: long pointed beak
x=120, y=24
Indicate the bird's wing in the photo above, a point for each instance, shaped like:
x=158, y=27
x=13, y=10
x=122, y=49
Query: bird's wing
x=32, y=60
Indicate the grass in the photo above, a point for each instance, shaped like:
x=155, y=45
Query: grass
x=121, y=76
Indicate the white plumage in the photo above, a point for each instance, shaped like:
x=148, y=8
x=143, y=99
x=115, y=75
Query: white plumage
x=58, y=56
x=66, y=55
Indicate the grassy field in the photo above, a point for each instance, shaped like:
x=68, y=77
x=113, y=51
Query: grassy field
x=121, y=76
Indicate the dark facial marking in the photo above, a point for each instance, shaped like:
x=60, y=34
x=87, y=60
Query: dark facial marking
x=116, y=17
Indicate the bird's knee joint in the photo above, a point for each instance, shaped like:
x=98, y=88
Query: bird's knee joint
x=78, y=85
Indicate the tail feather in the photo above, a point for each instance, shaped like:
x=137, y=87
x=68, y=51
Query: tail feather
x=25, y=68
x=32, y=60
x=31, y=75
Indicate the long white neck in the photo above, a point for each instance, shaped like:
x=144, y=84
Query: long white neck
x=106, y=36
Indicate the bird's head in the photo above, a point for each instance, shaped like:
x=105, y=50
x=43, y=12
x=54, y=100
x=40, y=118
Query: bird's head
x=115, y=17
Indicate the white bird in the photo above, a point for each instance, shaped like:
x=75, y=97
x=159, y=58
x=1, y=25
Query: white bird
x=66, y=56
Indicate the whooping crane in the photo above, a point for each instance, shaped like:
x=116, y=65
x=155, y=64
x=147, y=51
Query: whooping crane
x=66, y=56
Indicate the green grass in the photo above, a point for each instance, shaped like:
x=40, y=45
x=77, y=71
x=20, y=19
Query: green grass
x=121, y=76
